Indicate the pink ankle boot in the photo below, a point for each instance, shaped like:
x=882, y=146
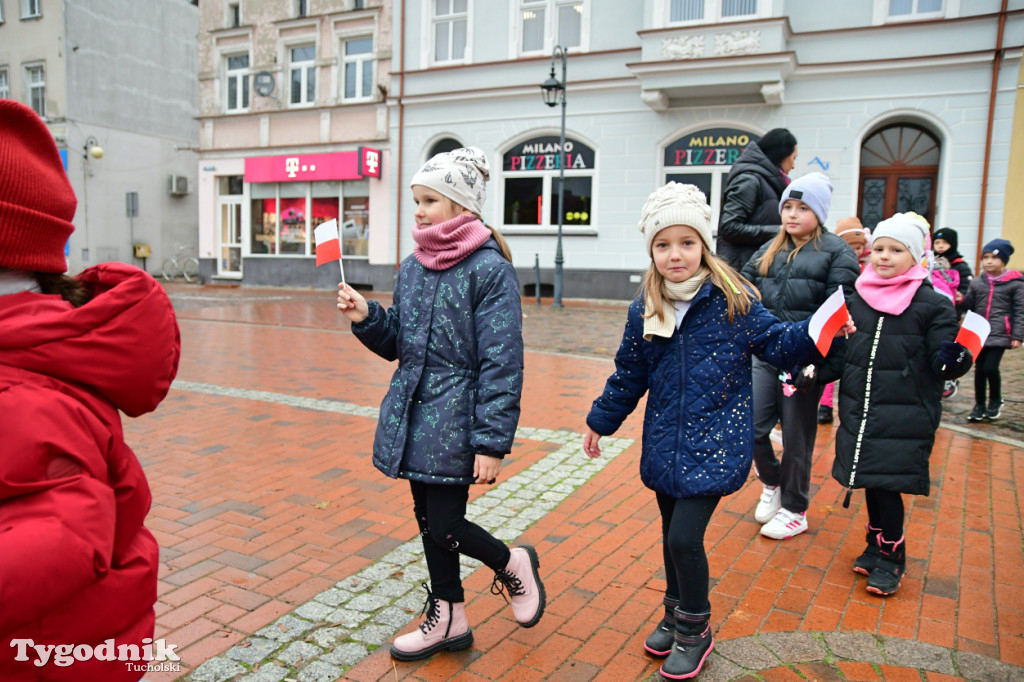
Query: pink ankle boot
x=446, y=627
x=522, y=581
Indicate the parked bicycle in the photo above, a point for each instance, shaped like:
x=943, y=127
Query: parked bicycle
x=183, y=265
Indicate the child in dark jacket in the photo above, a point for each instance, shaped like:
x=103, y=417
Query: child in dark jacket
x=689, y=338
x=450, y=415
x=944, y=243
x=890, y=391
x=998, y=295
x=795, y=273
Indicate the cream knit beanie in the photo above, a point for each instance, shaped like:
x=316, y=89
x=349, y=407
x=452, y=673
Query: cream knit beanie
x=461, y=175
x=676, y=204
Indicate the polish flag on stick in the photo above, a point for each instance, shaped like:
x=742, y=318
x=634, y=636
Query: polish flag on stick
x=828, y=320
x=328, y=245
x=973, y=333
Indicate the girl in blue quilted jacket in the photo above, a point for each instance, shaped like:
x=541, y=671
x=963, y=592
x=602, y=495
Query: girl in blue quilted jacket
x=450, y=415
x=689, y=338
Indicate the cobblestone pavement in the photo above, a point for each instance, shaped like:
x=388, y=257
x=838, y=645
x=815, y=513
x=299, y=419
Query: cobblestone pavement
x=287, y=556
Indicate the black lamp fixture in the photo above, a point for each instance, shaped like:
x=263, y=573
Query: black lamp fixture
x=553, y=92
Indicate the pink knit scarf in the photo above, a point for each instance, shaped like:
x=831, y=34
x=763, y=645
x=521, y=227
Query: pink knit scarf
x=441, y=246
x=891, y=295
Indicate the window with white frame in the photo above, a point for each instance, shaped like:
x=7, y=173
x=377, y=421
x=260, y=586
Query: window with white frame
x=5, y=83
x=234, y=14
x=708, y=11
x=237, y=83
x=530, y=177
x=546, y=23
x=357, y=69
x=302, y=69
x=31, y=9
x=35, y=84
x=449, y=27
x=914, y=8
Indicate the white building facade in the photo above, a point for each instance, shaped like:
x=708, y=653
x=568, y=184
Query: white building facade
x=897, y=101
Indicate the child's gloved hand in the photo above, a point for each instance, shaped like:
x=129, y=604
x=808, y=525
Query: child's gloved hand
x=952, y=354
x=805, y=378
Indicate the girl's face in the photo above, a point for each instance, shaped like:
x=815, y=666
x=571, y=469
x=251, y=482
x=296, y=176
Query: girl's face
x=890, y=258
x=676, y=251
x=433, y=208
x=798, y=220
x=940, y=246
x=992, y=264
x=789, y=162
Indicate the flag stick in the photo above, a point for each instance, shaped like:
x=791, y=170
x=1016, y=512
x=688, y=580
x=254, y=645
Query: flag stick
x=341, y=265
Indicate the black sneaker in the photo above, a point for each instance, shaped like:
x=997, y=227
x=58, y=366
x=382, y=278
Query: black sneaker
x=993, y=410
x=977, y=414
x=824, y=414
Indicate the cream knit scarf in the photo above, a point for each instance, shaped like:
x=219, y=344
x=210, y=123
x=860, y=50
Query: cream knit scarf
x=677, y=291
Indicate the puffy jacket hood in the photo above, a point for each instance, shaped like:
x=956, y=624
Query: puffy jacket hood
x=124, y=343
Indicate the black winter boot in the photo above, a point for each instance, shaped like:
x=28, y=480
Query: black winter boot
x=869, y=559
x=693, y=644
x=887, y=575
x=660, y=641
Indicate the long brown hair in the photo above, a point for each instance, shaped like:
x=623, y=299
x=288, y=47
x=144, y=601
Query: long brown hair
x=782, y=239
x=68, y=288
x=738, y=291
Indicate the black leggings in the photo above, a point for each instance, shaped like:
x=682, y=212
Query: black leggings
x=441, y=514
x=885, y=512
x=986, y=369
x=683, y=522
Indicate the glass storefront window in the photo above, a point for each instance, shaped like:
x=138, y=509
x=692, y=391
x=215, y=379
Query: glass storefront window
x=323, y=205
x=531, y=174
x=293, y=217
x=576, y=200
x=523, y=201
x=355, y=218
x=264, y=218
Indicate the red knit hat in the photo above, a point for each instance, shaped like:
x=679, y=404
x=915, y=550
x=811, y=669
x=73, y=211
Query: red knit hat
x=36, y=199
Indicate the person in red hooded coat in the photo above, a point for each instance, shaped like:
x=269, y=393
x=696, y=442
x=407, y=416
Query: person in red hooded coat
x=77, y=566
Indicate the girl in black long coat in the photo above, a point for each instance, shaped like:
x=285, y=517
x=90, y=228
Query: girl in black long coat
x=889, y=401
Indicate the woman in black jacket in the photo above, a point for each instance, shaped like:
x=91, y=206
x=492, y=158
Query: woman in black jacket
x=795, y=273
x=890, y=391
x=750, y=198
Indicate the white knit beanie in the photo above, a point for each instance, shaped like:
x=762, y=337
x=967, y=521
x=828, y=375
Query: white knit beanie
x=460, y=175
x=676, y=204
x=907, y=230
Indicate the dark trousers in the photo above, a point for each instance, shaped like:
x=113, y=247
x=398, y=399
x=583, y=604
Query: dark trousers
x=885, y=512
x=441, y=514
x=683, y=522
x=986, y=370
x=798, y=414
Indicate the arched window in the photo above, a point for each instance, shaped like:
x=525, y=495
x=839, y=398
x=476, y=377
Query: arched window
x=445, y=144
x=899, y=170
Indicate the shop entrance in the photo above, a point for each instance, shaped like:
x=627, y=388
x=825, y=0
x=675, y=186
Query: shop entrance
x=229, y=227
x=899, y=170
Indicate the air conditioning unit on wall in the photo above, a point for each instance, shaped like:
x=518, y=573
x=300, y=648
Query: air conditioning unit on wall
x=177, y=185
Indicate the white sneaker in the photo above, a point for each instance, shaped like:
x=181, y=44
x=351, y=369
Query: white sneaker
x=786, y=524
x=771, y=501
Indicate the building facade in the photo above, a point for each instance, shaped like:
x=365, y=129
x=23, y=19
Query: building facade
x=115, y=82
x=899, y=102
x=294, y=131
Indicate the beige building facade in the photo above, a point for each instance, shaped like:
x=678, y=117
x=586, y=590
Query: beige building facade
x=293, y=133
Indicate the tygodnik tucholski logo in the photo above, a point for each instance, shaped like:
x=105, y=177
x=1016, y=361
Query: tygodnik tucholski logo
x=152, y=656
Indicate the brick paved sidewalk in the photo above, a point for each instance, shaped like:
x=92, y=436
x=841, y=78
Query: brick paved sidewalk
x=285, y=555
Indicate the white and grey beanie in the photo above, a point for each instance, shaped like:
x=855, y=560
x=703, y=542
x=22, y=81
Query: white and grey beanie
x=460, y=175
x=676, y=204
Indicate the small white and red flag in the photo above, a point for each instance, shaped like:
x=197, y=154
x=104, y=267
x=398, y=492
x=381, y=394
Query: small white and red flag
x=828, y=320
x=328, y=245
x=973, y=333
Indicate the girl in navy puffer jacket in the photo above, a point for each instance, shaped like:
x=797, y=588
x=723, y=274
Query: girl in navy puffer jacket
x=689, y=338
x=450, y=415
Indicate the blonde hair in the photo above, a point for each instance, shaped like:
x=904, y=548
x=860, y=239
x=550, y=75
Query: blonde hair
x=782, y=239
x=502, y=244
x=738, y=291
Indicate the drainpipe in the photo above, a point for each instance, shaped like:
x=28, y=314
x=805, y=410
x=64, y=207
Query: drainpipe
x=401, y=131
x=996, y=63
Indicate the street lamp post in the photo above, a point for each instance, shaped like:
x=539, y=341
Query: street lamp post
x=90, y=148
x=553, y=91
